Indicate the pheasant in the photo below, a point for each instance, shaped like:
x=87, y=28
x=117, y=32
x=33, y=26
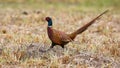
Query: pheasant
x=61, y=38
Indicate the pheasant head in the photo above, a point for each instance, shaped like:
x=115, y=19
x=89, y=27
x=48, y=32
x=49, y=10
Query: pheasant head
x=49, y=20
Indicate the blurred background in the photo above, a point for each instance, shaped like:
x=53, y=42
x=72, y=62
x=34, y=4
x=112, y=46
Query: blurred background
x=22, y=23
x=59, y=4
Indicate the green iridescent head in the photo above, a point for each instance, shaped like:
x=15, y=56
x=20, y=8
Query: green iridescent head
x=49, y=20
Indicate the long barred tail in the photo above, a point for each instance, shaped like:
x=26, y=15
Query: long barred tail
x=82, y=29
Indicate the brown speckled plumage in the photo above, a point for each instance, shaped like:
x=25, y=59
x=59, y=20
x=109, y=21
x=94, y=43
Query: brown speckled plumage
x=61, y=38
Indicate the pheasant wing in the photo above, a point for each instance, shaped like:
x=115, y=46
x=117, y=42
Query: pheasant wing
x=59, y=37
x=64, y=37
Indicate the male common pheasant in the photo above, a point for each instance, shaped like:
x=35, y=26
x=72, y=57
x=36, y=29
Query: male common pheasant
x=61, y=38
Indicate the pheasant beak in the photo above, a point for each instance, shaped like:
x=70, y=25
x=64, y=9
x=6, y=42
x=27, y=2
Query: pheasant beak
x=46, y=19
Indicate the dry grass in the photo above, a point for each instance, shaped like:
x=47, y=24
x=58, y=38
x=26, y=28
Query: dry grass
x=23, y=36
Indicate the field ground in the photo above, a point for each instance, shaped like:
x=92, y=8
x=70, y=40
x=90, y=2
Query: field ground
x=23, y=35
